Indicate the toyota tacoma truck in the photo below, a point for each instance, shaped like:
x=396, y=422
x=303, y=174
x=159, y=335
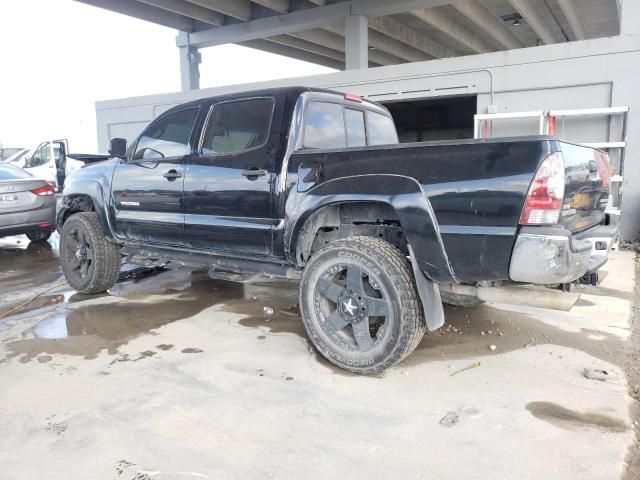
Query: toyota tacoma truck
x=309, y=183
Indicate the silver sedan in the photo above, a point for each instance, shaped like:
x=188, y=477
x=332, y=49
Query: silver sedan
x=27, y=204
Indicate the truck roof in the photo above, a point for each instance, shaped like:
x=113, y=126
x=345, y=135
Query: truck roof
x=290, y=91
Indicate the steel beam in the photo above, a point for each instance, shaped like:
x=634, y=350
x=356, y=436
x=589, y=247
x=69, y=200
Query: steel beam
x=443, y=22
x=144, y=12
x=356, y=42
x=487, y=21
x=570, y=11
x=188, y=10
x=531, y=13
x=381, y=8
x=395, y=29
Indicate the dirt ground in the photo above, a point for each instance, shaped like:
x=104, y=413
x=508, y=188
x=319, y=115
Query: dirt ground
x=175, y=375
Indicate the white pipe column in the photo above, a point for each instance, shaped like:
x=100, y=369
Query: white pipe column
x=189, y=64
x=356, y=41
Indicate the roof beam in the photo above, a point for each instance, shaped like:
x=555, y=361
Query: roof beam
x=281, y=6
x=397, y=30
x=389, y=45
x=381, y=8
x=336, y=42
x=188, y=10
x=285, y=50
x=440, y=20
x=266, y=27
x=144, y=12
x=300, y=44
x=240, y=9
x=494, y=26
x=570, y=11
x=530, y=12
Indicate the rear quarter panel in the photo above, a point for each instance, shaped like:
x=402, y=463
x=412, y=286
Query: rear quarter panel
x=475, y=188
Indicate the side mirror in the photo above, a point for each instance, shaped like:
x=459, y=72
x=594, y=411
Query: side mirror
x=118, y=147
x=27, y=162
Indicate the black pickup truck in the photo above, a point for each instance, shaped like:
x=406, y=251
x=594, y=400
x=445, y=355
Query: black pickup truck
x=299, y=182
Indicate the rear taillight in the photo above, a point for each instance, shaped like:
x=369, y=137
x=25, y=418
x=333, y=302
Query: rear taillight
x=546, y=193
x=46, y=190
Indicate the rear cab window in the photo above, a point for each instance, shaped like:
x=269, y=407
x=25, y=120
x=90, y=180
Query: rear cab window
x=337, y=125
x=9, y=172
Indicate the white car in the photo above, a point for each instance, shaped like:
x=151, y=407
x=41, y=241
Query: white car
x=50, y=161
x=19, y=158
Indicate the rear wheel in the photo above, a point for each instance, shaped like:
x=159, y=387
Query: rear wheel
x=39, y=236
x=359, y=304
x=89, y=261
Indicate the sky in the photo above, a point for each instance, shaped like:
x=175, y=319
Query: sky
x=58, y=57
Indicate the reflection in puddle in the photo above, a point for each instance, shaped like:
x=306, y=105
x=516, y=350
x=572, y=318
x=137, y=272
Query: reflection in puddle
x=86, y=325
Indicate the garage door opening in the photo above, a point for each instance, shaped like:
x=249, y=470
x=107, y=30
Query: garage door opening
x=434, y=119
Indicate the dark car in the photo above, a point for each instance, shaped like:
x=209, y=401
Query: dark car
x=27, y=204
x=308, y=183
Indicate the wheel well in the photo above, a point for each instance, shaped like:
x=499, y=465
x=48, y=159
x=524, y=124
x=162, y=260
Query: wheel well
x=371, y=219
x=74, y=204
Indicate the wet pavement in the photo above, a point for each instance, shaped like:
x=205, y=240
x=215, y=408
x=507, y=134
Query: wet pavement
x=176, y=375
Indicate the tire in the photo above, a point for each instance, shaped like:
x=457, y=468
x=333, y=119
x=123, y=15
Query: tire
x=90, y=262
x=344, y=285
x=39, y=236
x=457, y=300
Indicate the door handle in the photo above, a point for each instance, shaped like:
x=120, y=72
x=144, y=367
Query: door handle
x=252, y=173
x=172, y=175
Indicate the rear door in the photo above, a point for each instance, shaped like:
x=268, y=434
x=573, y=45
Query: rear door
x=148, y=187
x=587, y=184
x=229, y=182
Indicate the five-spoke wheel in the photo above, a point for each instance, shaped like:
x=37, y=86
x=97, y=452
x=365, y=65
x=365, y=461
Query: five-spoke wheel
x=359, y=304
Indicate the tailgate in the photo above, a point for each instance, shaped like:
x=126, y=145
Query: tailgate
x=587, y=184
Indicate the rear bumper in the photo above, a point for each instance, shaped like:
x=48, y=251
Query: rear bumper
x=544, y=255
x=39, y=220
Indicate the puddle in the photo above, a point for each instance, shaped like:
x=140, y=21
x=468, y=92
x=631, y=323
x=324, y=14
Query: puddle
x=571, y=420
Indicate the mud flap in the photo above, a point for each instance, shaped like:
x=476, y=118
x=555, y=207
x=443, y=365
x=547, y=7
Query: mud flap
x=429, y=295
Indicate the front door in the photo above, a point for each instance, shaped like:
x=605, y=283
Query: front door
x=229, y=182
x=147, y=186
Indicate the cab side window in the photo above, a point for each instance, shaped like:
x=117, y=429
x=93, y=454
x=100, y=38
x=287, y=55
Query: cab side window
x=324, y=126
x=167, y=137
x=238, y=126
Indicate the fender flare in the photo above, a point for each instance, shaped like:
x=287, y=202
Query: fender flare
x=95, y=191
x=404, y=194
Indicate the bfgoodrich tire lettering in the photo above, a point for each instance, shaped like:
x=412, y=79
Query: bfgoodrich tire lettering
x=360, y=306
x=90, y=262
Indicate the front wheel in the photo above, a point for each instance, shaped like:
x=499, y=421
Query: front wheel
x=360, y=305
x=90, y=262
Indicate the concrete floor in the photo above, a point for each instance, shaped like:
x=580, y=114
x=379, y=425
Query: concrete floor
x=177, y=376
